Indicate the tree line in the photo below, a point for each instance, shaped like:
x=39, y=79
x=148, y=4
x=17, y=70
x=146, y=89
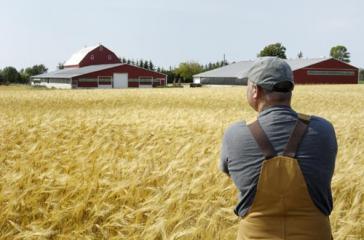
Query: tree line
x=338, y=52
x=182, y=73
x=147, y=64
x=186, y=70
x=12, y=75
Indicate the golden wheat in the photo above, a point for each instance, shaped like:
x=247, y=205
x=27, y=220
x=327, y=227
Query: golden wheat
x=143, y=164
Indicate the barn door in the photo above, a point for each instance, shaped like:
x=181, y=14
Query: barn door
x=120, y=80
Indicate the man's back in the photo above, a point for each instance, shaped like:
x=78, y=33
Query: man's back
x=242, y=159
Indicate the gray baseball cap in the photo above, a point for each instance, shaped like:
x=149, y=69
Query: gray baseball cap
x=272, y=73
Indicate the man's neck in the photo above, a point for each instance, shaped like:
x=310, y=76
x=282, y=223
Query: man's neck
x=262, y=107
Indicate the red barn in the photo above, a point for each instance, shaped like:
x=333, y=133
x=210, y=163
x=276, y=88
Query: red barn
x=305, y=71
x=98, y=67
x=324, y=71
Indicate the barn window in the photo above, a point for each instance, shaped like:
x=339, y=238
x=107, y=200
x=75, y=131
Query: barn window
x=330, y=73
x=105, y=80
x=59, y=80
x=36, y=80
x=146, y=80
x=109, y=57
x=101, y=48
x=92, y=57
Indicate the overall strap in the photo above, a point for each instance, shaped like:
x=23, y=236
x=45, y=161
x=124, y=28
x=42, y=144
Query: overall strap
x=262, y=140
x=296, y=135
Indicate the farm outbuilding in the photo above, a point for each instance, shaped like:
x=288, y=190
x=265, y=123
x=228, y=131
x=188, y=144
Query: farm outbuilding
x=305, y=71
x=98, y=67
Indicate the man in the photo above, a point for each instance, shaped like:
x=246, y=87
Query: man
x=282, y=163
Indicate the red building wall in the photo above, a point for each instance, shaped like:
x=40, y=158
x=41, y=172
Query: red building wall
x=100, y=55
x=132, y=71
x=133, y=84
x=302, y=76
x=88, y=84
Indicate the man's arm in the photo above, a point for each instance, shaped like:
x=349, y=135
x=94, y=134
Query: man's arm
x=224, y=156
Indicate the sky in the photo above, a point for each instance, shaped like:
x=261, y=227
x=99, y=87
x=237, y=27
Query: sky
x=172, y=31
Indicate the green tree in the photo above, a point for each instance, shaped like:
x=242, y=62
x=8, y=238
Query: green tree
x=25, y=74
x=141, y=63
x=145, y=65
x=1, y=77
x=60, y=66
x=150, y=65
x=187, y=69
x=10, y=75
x=276, y=49
x=37, y=69
x=171, y=75
x=341, y=53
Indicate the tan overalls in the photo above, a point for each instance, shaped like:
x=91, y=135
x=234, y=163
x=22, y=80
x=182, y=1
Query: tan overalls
x=282, y=207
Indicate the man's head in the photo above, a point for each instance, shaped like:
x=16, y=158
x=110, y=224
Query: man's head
x=270, y=82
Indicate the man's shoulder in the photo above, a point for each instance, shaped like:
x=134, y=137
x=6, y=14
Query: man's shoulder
x=236, y=128
x=320, y=123
x=321, y=129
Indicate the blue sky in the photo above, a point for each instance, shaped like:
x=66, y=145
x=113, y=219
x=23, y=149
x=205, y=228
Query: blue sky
x=170, y=31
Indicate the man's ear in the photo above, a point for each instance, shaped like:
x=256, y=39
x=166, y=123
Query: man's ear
x=256, y=92
x=259, y=92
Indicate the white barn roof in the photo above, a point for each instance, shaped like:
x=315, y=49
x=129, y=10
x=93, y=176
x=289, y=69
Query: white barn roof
x=240, y=69
x=77, y=57
x=74, y=72
x=234, y=70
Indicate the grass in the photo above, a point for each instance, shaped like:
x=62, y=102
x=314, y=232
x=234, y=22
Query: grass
x=143, y=163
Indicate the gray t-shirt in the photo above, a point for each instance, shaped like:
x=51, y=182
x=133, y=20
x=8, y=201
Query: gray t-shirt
x=241, y=158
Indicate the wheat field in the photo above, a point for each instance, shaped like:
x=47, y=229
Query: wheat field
x=143, y=163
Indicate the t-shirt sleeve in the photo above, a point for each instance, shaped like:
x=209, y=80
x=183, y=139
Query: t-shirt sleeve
x=334, y=140
x=333, y=146
x=224, y=156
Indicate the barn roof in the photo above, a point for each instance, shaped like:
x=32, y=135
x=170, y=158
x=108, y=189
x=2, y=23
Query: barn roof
x=234, y=70
x=74, y=72
x=77, y=57
x=298, y=63
x=240, y=69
